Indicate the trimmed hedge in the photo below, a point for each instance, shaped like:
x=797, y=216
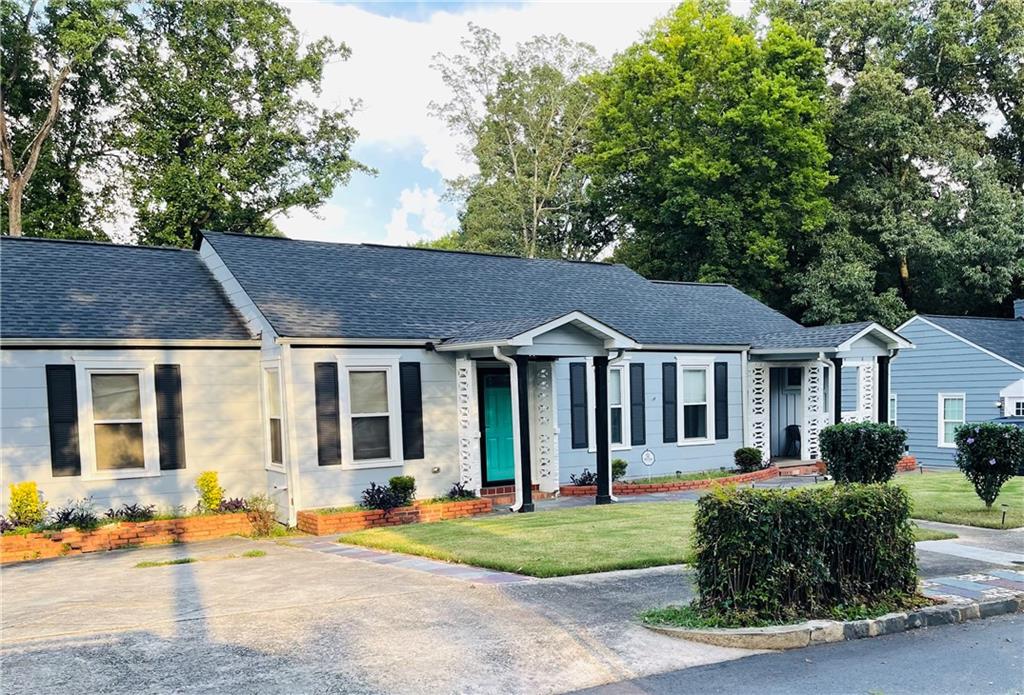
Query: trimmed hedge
x=989, y=454
x=771, y=555
x=862, y=452
x=749, y=459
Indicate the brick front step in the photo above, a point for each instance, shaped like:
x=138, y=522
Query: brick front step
x=675, y=486
x=906, y=464
x=320, y=524
x=38, y=546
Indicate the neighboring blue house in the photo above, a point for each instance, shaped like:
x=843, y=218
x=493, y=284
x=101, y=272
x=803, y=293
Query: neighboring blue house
x=962, y=369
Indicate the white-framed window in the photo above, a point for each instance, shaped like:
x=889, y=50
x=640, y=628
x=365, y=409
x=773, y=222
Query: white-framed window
x=1013, y=407
x=370, y=411
x=893, y=408
x=619, y=424
x=272, y=408
x=117, y=420
x=952, y=414
x=1018, y=407
x=696, y=404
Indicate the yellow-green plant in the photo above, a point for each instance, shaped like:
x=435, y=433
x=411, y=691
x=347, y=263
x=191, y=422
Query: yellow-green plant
x=211, y=494
x=26, y=508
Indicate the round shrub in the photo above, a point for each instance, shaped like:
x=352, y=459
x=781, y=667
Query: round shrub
x=862, y=452
x=989, y=454
x=748, y=459
x=404, y=487
x=619, y=469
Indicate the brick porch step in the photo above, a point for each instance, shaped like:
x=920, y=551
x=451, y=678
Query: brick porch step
x=506, y=494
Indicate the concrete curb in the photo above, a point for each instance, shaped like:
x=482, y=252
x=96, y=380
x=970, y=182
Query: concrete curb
x=824, y=631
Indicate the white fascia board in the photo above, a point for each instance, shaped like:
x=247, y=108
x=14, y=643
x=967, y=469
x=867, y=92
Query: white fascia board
x=895, y=340
x=354, y=342
x=613, y=339
x=693, y=348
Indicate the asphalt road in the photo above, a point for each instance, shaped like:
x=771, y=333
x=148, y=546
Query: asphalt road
x=981, y=656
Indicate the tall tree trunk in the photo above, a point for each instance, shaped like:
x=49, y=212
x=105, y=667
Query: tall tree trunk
x=16, y=188
x=905, y=280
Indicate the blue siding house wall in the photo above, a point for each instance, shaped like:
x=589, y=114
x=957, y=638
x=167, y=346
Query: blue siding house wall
x=944, y=363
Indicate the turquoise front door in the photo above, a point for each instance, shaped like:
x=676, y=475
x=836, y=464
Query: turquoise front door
x=496, y=423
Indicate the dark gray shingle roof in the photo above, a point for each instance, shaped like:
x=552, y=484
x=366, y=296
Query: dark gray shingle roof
x=812, y=337
x=1004, y=337
x=66, y=289
x=318, y=289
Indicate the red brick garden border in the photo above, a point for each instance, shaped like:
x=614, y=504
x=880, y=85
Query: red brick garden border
x=906, y=464
x=37, y=546
x=675, y=486
x=319, y=524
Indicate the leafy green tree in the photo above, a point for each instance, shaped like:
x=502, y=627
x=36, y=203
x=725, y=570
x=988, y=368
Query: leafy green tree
x=221, y=131
x=709, y=141
x=524, y=117
x=926, y=134
x=62, y=62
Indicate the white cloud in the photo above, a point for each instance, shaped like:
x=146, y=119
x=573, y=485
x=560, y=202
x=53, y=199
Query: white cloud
x=325, y=224
x=390, y=65
x=424, y=204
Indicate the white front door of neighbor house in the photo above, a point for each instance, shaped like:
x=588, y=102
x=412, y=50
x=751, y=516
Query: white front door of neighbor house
x=786, y=408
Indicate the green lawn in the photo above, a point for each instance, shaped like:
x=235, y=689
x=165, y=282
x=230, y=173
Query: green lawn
x=948, y=496
x=558, y=542
x=698, y=475
x=927, y=534
x=551, y=543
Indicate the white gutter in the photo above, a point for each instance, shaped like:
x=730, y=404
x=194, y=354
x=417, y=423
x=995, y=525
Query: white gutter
x=130, y=342
x=826, y=368
x=396, y=342
x=291, y=436
x=745, y=398
x=611, y=483
x=517, y=454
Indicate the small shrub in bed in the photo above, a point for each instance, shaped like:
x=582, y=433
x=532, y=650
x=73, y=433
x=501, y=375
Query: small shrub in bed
x=260, y=510
x=76, y=513
x=381, y=497
x=584, y=478
x=6, y=524
x=862, y=452
x=405, y=487
x=132, y=512
x=232, y=505
x=989, y=454
x=460, y=491
x=211, y=494
x=619, y=469
x=27, y=508
x=778, y=556
x=748, y=459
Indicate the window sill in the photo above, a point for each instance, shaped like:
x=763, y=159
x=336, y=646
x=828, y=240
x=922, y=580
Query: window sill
x=942, y=445
x=121, y=475
x=697, y=442
x=379, y=463
x=275, y=467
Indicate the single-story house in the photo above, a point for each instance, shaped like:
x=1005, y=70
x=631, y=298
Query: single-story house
x=962, y=369
x=307, y=370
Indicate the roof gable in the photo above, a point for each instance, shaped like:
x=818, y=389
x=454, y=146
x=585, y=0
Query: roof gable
x=86, y=290
x=1003, y=338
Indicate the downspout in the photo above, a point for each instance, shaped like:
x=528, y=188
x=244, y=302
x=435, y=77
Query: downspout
x=611, y=487
x=513, y=373
x=745, y=397
x=294, y=484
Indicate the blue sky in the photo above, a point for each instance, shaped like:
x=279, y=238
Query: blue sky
x=389, y=72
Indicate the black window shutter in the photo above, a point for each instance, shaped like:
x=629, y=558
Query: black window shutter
x=578, y=404
x=328, y=423
x=669, y=417
x=170, y=426
x=721, y=400
x=412, y=410
x=637, y=409
x=62, y=407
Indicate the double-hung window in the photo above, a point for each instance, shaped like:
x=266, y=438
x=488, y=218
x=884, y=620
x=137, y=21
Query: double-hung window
x=117, y=412
x=618, y=406
x=696, y=407
x=275, y=435
x=952, y=414
x=371, y=406
x=1018, y=407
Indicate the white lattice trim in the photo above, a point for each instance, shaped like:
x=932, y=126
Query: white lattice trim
x=757, y=385
x=469, y=423
x=545, y=442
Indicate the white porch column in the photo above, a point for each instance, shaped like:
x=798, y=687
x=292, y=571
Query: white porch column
x=757, y=406
x=866, y=391
x=469, y=423
x=814, y=409
x=545, y=431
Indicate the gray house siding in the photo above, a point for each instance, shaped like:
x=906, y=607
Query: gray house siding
x=941, y=363
x=669, y=456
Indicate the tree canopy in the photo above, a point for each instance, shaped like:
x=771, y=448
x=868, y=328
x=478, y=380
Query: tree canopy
x=198, y=114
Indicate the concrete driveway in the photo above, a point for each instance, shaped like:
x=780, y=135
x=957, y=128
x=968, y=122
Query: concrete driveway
x=297, y=621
